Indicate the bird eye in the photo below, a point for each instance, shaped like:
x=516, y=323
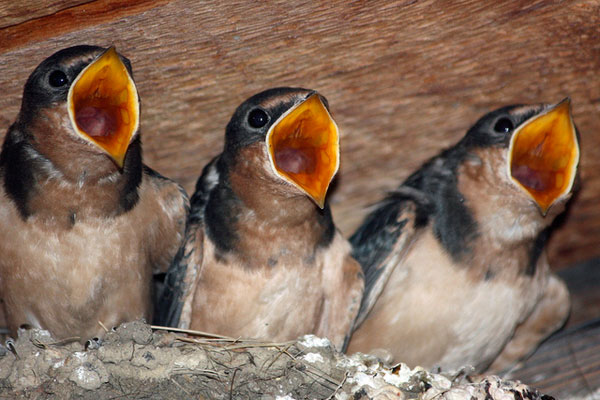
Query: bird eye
x=58, y=79
x=503, y=125
x=257, y=118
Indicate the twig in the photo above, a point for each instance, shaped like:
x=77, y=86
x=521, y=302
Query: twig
x=281, y=351
x=339, y=386
x=215, y=338
x=246, y=345
x=42, y=345
x=286, y=352
x=188, y=371
x=204, y=340
x=208, y=341
x=317, y=372
x=231, y=384
x=103, y=326
x=234, y=344
x=189, y=332
x=180, y=387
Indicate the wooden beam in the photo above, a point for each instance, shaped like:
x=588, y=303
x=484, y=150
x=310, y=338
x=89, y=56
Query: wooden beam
x=28, y=25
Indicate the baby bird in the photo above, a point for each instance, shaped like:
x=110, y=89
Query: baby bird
x=453, y=259
x=83, y=223
x=262, y=257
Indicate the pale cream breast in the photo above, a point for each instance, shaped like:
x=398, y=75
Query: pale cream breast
x=432, y=312
x=280, y=302
x=236, y=301
x=66, y=280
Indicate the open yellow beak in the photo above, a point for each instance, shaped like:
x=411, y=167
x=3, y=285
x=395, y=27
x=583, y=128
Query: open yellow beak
x=303, y=147
x=543, y=155
x=103, y=105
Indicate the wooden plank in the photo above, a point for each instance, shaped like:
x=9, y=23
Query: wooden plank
x=566, y=365
x=70, y=19
x=404, y=79
x=583, y=281
x=16, y=12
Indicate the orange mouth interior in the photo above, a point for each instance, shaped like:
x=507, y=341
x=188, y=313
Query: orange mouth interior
x=544, y=154
x=103, y=105
x=304, y=148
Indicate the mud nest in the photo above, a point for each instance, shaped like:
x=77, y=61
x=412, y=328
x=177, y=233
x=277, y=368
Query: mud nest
x=135, y=361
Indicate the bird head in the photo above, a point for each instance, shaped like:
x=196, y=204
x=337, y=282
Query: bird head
x=298, y=134
x=97, y=88
x=542, y=148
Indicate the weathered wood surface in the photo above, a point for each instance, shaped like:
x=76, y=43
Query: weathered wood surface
x=583, y=281
x=16, y=12
x=404, y=78
x=565, y=366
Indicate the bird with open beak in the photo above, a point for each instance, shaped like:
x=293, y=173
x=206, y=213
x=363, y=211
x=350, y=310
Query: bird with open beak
x=262, y=257
x=83, y=223
x=455, y=270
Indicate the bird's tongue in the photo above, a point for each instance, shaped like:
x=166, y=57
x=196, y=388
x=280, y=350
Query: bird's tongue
x=95, y=121
x=295, y=161
x=536, y=180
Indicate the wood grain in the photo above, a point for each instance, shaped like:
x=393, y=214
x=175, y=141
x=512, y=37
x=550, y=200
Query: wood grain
x=583, y=281
x=404, y=79
x=16, y=12
x=67, y=19
x=565, y=366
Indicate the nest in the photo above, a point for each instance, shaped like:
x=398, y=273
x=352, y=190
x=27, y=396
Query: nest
x=137, y=361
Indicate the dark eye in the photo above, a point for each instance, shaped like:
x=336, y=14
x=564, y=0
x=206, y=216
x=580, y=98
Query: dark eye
x=257, y=118
x=58, y=79
x=503, y=125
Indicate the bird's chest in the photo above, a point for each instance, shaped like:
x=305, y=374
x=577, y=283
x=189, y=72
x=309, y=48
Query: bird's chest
x=48, y=273
x=263, y=303
x=464, y=318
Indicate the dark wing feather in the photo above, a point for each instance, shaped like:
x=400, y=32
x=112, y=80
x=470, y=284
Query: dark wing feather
x=384, y=238
x=170, y=225
x=174, y=303
x=180, y=279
